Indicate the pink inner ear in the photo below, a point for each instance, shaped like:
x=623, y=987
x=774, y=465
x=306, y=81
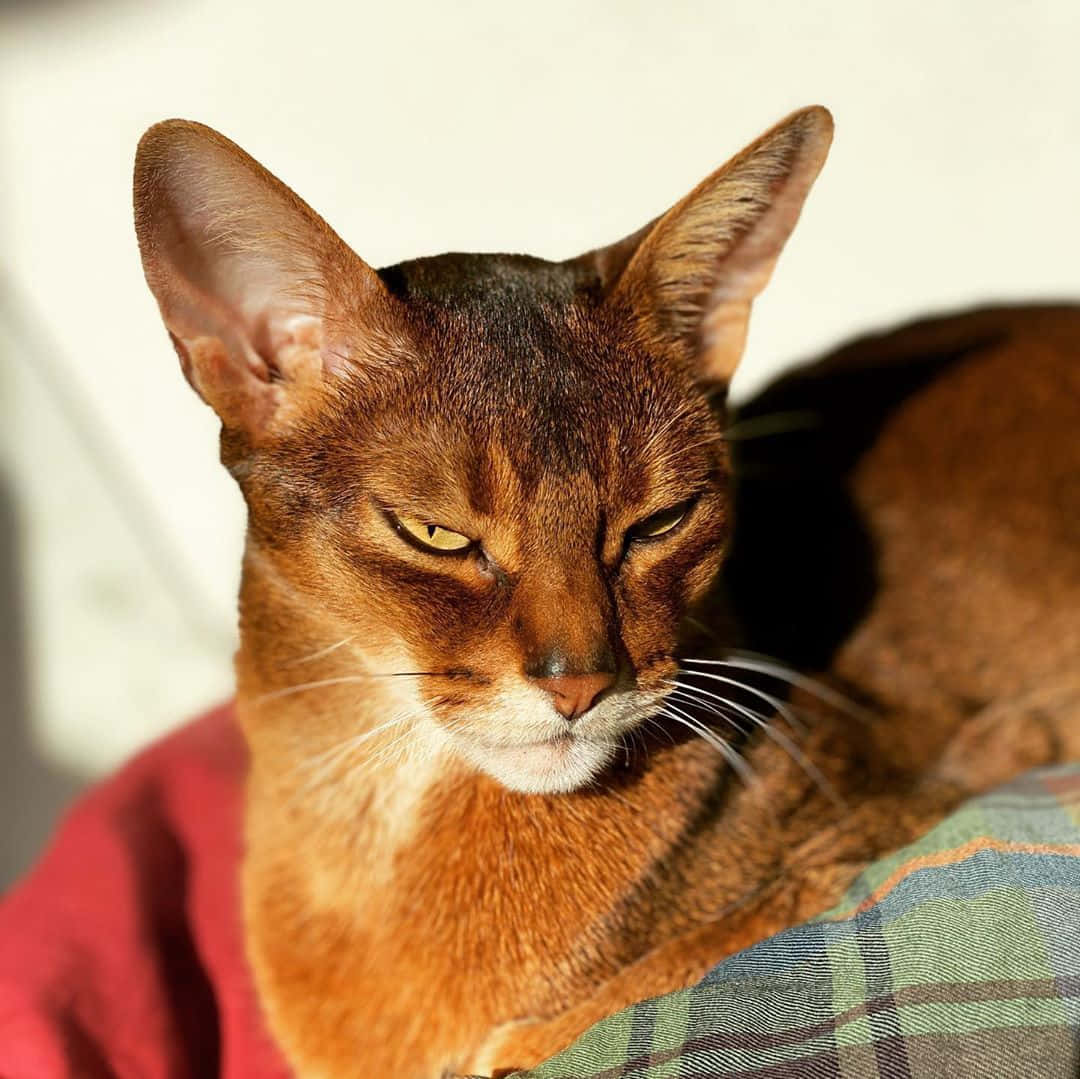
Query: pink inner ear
x=295, y=347
x=270, y=331
x=242, y=397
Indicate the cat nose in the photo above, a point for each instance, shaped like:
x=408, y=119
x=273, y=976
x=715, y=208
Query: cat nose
x=574, y=694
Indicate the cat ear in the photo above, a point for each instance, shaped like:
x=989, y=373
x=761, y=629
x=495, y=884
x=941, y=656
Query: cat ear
x=254, y=287
x=689, y=277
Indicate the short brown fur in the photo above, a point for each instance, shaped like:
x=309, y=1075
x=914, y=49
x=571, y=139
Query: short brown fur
x=411, y=917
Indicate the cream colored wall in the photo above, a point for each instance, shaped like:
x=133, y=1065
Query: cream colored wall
x=416, y=128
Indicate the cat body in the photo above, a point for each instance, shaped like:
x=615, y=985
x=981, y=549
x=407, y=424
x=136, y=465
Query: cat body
x=492, y=504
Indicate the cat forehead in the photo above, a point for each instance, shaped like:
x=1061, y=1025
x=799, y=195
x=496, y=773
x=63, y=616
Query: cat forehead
x=490, y=438
x=543, y=382
x=527, y=334
x=518, y=374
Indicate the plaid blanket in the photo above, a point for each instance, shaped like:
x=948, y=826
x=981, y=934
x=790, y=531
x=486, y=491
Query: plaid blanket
x=959, y=956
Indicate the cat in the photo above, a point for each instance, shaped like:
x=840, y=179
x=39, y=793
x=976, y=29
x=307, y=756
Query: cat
x=511, y=766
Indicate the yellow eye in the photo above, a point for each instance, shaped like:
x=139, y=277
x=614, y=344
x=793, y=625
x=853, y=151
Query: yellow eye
x=660, y=524
x=432, y=537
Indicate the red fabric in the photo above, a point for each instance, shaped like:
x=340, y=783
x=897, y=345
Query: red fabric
x=121, y=954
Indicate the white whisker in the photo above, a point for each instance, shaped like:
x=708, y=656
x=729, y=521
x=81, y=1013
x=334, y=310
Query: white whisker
x=728, y=752
x=343, y=751
x=781, y=739
x=392, y=753
x=344, y=679
x=775, y=702
x=321, y=652
x=347, y=745
x=683, y=695
x=652, y=721
x=752, y=662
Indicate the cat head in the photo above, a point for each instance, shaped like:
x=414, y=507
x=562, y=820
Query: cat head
x=503, y=472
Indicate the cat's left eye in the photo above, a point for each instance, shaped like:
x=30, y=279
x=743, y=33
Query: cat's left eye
x=431, y=537
x=659, y=524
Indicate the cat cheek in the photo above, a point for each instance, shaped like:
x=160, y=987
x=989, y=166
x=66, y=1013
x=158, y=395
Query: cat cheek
x=700, y=579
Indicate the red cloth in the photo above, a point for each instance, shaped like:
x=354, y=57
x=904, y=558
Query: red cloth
x=121, y=954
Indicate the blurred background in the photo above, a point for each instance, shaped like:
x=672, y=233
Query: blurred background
x=416, y=128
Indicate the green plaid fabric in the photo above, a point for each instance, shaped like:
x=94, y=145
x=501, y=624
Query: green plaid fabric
x=957, y=957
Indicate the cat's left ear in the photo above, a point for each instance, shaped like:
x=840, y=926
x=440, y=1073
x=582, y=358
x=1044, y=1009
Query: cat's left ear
x=688, y=279
x=265, y=304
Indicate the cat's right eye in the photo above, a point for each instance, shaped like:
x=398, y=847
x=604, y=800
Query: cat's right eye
x=429, y=537
x=658, y=525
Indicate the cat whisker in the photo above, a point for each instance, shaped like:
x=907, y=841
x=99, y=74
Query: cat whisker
x=773, y=423
x=680, y=452
x=651, y=721
x=778, y=705
x=698, y=624
x=390, y=754
x=753, y=661
x=329, y=794
x=629, y=741
x=303, y=687
x=695, y=694
x=399, y=745
x=728, y=752
x=320, y=652
x=345, y=679
x=682, y=693
x=343, y=751
x=782, y=672
x=711, y=439
x=348, y=745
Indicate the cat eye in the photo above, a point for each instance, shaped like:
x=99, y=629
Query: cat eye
x=659, y=524
x=430, y=537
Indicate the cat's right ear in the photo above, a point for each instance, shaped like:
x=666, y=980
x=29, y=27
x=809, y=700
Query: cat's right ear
x=255, y=289
x=689, y=277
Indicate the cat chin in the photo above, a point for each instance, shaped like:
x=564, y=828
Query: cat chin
x=555, y=767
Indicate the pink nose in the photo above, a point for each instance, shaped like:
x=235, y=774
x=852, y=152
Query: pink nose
x=575, y=694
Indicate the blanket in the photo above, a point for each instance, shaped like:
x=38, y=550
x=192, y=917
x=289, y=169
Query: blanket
x=121, y=953
x=958, y=956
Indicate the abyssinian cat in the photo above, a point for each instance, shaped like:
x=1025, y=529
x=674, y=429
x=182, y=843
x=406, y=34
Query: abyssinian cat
x=508, y=772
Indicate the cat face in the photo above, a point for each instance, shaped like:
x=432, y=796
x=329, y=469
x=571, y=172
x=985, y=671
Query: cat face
x=502, y=475
x=526, y=511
